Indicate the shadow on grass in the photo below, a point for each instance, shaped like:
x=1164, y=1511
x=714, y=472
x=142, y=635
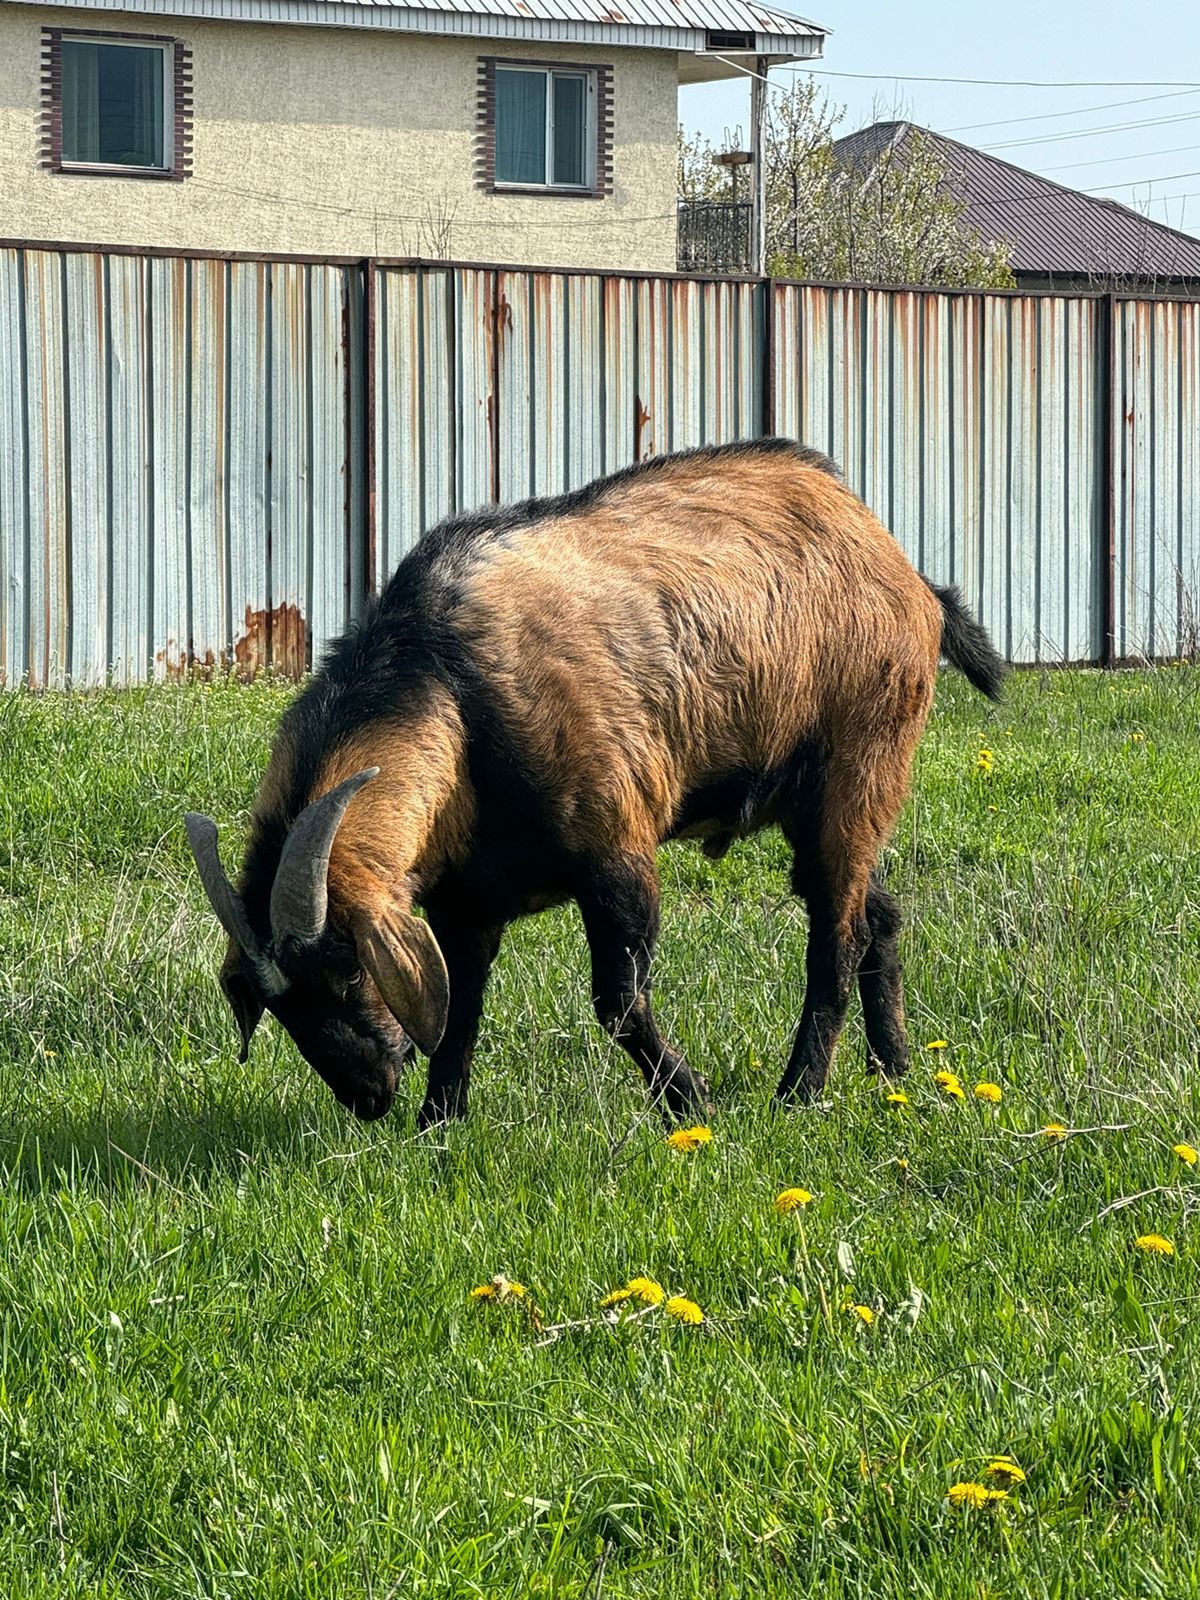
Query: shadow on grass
x=116, y=1150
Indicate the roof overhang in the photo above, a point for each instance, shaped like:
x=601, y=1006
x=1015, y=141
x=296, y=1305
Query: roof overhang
x=647, y=25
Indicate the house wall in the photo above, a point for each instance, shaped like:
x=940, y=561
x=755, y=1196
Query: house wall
x=345, y=142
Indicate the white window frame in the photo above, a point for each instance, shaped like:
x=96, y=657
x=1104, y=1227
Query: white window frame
x=588, y=185
x=167, y=51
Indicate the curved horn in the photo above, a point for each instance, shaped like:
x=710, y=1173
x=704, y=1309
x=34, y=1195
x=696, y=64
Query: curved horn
x=222, y=896
x=299, y=895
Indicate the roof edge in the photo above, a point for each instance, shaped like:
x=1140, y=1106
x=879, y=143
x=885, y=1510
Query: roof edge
x=804, y=44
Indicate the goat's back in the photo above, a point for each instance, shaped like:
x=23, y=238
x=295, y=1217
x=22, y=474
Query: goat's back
x=699, y=615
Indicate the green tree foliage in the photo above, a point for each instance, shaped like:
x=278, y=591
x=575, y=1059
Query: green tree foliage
x=899, y=222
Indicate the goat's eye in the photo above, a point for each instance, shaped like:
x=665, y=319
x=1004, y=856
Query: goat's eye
x=356, y=979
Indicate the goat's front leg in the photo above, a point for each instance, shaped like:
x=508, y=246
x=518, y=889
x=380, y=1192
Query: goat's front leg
x=620, y=917
x=469, y=948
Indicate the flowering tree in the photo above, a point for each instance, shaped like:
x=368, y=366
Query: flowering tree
x=898, y=222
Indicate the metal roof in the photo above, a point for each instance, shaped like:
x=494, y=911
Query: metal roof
x=1052, y=231
x=681, y=25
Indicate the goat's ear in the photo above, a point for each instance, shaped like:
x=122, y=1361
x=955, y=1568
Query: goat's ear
x=409, y=970
x=242, y=996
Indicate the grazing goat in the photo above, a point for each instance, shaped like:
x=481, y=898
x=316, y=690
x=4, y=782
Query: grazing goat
x=697, y=647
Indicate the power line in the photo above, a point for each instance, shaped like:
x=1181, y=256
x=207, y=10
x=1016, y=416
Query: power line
x=1136, y=183
x=1087, y=133
x=1079, y=111
x=1012, y=83
x=1101, y=161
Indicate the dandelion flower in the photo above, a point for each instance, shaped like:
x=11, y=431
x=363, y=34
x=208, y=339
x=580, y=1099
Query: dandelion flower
x=1055, y=1132
x=1154, y=1244
x=616, y=1297
x=791, y=1200
x=945, y=1079
x=937, y=1044
x=647, y=1291
x=985, y=761
x=689, y=1138
x=976, y=1495
x=1137, y=738
x=500, y=1288
x=948, y=1083
x=991, y=1092
x=897, y=1098
x=1004, y=1471
x=684, y=1310
x=864, y=1314
x=1186, y=1154
x=902, y=1163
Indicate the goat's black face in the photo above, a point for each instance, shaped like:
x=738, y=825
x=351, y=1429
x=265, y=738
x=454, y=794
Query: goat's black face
x=340, y=1026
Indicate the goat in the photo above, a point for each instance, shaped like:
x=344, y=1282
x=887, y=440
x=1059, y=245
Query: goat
x=699, y=646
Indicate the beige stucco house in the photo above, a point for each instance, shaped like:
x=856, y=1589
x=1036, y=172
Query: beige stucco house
x=524, y=131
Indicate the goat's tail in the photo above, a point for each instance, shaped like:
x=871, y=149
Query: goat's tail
x=965, y=644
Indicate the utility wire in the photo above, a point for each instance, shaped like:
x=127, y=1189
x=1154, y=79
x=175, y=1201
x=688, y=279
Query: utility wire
x=1101, y=161
x=1087, y=133
x=1012, y=83
x=1079, y=111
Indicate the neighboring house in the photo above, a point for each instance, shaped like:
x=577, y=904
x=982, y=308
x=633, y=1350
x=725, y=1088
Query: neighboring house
x=1058, y=237
x=523, y=131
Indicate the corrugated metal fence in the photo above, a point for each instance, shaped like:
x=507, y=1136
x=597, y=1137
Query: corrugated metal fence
x=178, y=440
x=207, y=461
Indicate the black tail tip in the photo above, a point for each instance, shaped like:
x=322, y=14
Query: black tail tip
x=965, y=644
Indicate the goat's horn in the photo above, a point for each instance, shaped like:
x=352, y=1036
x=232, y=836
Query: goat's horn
x=300, y=895
x=222, y=896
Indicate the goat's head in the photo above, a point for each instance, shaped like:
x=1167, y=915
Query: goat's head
x=352, y=988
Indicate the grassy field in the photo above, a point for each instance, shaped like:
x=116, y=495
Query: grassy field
x=238, y=1353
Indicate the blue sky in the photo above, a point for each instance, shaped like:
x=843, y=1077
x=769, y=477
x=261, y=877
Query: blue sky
x=1154, y=167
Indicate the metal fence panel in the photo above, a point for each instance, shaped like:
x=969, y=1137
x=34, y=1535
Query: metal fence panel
x=969, y=424
x=184, y=457
x=174, y=439
x=1156, y=423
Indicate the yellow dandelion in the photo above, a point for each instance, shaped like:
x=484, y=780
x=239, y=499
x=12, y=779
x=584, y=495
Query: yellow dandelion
x=976, y=1495
x=791, y=1200
x=991, y=1092
x=1137, y=738
x=1055, y=1132
x=864, y=1314
x=500, y=1288
x=616, y=1297
x=1186, y=1154
x=945, y=1079
x=647, y=1291
x=902, y=1163
x=1004, y=1471
x=937, y=1044
x=689, y=1138
x=897, y=1098
x=984, y=761
x=1154, y=1244
x=948, y=1083
x=684, y=1310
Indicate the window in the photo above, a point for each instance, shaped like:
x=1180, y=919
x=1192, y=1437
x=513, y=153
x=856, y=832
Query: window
x=545, y=128
x=541, y=127
x=116, y=104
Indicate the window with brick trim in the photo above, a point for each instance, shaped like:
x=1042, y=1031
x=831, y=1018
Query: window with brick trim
x=544, y=128
x=115, y=104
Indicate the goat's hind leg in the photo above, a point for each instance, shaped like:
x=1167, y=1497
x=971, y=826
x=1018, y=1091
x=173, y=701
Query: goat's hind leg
x=619, y=904
x=881, y=985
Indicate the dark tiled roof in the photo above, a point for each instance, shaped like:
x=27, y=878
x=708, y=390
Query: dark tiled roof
x=1049, y=228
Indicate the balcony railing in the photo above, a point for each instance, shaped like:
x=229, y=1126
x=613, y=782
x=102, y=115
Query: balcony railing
x=713, y=236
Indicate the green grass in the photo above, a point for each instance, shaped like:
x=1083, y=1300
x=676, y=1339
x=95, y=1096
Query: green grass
x=237, y=1354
